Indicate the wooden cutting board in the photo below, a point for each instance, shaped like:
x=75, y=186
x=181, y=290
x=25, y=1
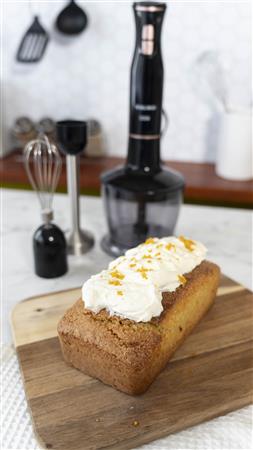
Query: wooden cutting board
x=210, y=375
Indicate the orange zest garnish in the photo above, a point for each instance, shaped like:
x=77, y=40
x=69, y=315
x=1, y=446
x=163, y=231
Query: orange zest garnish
x=149, y=241
x=117, y=274
x=144, y=275
x=132, y=265
x=143, y=271
x=188, y=243
x=115, y=282
x=170, y=246
x=182, y=279
x=159, y=245
x=120, y=292
x=158, y=254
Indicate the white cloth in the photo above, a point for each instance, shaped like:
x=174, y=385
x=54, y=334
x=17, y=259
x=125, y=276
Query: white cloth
x=232, y=431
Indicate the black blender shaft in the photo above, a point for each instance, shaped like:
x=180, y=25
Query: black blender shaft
x=146, y=88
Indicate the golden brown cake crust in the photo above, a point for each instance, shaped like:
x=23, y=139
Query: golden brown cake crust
x=127, y=354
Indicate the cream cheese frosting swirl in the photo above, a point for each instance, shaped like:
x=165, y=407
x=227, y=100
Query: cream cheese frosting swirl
x=132, y=285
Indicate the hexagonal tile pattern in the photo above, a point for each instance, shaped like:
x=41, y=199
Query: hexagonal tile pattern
x=88, y=76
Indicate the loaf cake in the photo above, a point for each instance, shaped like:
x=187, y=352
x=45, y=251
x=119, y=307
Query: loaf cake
x=134, y=315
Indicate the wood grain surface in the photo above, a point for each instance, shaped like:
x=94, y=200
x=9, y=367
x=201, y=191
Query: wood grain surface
x=202, y=184
x=210, y=375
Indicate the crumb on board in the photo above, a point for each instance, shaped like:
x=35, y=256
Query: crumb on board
x=136, y=423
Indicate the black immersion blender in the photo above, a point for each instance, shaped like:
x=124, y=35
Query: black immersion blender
x=142, y=198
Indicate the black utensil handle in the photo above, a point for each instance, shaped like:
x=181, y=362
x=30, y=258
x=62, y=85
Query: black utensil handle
x=50, y=251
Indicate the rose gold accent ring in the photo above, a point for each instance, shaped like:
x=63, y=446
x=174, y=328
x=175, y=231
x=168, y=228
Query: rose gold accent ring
x=150, y=8
x=147, y=47
x=148, y=32
x=145, y=137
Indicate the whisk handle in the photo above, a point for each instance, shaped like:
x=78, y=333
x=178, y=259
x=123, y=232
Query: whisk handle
x=47, y=215
x=50, y=253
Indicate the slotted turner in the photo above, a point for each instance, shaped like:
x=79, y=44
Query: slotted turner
x=33, y=44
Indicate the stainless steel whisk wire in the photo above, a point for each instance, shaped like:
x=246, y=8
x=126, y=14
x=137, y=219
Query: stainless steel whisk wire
x=43, y=166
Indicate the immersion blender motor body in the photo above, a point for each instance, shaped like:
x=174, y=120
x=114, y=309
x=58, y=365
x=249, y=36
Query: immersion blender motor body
x=142, y=198
x=146, y=89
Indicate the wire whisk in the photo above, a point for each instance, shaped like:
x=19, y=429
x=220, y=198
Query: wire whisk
x=43, y=166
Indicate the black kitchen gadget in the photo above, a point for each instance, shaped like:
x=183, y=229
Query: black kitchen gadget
x=50, y=251
x=33, y=44
x=142, y=198
x=43, y=166
x=72, y=138
x=72, y=20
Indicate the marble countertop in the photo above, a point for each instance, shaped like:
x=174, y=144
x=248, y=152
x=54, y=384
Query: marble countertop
x=226, y=233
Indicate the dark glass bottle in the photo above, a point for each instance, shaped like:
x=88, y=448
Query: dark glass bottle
x=142, y=198
x=50, y=252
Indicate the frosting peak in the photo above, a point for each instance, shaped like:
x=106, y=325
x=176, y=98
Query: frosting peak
x=132, y=285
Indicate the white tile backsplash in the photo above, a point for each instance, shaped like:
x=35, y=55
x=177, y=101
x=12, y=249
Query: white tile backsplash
x=88, y=76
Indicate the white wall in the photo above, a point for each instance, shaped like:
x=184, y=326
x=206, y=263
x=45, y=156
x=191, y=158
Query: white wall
x=89, y=76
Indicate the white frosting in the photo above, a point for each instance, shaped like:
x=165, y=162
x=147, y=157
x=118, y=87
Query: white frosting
x=132, y=285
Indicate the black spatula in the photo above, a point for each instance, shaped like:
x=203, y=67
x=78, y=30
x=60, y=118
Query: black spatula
x=33, y=44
